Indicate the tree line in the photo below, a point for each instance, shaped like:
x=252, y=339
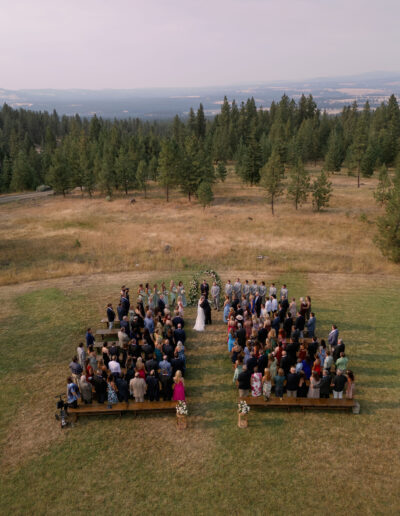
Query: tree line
x=110, y=155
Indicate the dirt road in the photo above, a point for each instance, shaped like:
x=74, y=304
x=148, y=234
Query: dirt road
x=21, y=197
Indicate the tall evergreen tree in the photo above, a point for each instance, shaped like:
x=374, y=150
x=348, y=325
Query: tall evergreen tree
x=22, y=172
x=272, y=178
x=299, y=184
x=200, y=122
x=205, y=193
x=142, y=176
x=125, y=170
x=221, y=171
x=382, y=192
x=335, y=154
x=59, y=176
x=169, y=165
x=321, y=191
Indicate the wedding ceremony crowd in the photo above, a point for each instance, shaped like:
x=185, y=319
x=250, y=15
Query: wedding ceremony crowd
x=148, y=360
x=273, y=345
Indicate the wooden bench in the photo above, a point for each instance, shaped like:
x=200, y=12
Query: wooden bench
x=303, y=403
x=107, y=333
x=98, y=345
x=116, y=323
x=98, y=409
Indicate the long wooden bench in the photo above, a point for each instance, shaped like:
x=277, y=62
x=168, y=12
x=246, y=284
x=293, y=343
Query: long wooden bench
x=105, y=332
x=98, y=345
x=302, y=403
x=98, y=409
x=116, y=323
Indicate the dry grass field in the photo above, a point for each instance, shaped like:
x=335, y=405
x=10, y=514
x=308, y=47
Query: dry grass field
x=58, y=237
x=284, y=463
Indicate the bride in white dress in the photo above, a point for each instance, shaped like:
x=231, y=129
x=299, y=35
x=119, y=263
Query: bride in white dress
x=201, y=319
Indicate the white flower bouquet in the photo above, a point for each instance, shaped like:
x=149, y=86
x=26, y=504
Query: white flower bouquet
x=181, y=408
x=243, y=408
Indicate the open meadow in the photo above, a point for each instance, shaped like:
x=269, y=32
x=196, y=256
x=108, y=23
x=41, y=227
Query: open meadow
x=62, y=260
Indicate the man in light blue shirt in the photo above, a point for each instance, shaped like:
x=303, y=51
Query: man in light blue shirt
x=149, y=322
x=311, y=325
x=165, y=367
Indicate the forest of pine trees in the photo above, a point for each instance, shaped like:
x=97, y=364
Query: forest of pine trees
x=191, y=154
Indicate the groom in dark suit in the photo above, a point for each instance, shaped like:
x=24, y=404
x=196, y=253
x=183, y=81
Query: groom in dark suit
x=204, y=289
x=257, y=303
x=205, y=305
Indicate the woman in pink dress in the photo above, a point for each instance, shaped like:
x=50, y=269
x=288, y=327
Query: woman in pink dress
x=179, y=387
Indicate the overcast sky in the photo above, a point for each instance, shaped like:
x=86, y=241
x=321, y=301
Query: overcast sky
x=156, y=43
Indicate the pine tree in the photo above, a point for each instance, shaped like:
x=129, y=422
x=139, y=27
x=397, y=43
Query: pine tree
x=382, y=192
x=189, y=172
x=200, y=122
x=321, y=191
x=335, y=154
x=22, y=172
x=368, y=161
x=205, y=194
x=221, y=171
x=192, y=124
x=358, y=147
x=169, y=165
x=388, y=238
x=59, y=176
x=142, y=176
x=272, y=178
x=125, y=170
x=299, y=184
x=153, y=167
x=107, y=172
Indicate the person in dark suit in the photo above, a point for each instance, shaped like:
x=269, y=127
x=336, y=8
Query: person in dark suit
x=110, y=316
x=100, y=386
x=205, y=305
x=178, y=320
x=125, y=303
x=204, y=289
x=152, y=364
x=235, y=303
x=281, y=313
x=125, y=324
x=258, y=303
x=340, y=348
x=241, y=336
x=276, y=324
x=313, y=347
x=285, y=363
x=120, y=312
x=161, y=304
x=287, y=325
x=168, y=349
x=300, y=323
x=325, y=384
x=251, y=363
x=262, y=337
x=179, y=335
x=153, y=386
x=123, y=388
x=284, y=304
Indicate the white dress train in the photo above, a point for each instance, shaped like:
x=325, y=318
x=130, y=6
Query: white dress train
x=200, y=320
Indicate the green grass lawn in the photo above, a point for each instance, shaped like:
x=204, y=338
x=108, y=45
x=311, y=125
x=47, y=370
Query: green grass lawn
x=283, y=463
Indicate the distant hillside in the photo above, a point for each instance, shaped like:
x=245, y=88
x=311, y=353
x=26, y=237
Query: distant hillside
x=162, y=103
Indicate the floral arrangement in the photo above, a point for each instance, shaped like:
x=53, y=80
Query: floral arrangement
x=243, y=407
x=194, y=291
x=181, y=408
